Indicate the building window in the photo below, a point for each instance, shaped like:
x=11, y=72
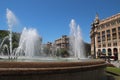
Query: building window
x=104, y=45
x=114, y=30
x=103, y=32
x=114, y=36
x=109, y=44
x=103, y=35
x=108, y=31
x=119, y=34
x=99, y=46
x=119, y=28
x=98, y=33
x=99, y=40
x=113, y=22
x=102, y=26
x=115, y=44
x=118, y=21
x=108, y=37
x=104, y=51
x=103, y=38
x=107, y=24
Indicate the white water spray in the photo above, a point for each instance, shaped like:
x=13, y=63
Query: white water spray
x=12, y=21
x=76, y=42
x=30, y=43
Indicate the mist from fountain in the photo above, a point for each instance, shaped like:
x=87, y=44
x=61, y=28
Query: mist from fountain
x=29, y=44
x=76, y=41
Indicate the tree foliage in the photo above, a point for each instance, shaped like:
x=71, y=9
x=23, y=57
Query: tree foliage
x=15, y=38
x=62, y=52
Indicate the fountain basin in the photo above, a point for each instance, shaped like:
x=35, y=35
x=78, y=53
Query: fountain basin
x=80, y=70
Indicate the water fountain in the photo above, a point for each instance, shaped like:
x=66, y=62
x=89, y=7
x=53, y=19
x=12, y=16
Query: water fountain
x=30, y=43
x=11, y=20
x=54, y=69
x=76, y=42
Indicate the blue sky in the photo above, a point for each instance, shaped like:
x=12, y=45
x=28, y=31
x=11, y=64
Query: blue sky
x=51, y=18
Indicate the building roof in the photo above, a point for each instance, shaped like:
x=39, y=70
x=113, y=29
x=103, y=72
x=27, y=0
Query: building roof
x=110, y=18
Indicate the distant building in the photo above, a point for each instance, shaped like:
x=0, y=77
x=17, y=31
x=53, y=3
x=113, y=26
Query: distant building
x=105, y=37
x=49, y=44
x=62, y=42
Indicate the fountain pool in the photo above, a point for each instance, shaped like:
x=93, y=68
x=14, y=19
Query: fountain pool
x=53, y=70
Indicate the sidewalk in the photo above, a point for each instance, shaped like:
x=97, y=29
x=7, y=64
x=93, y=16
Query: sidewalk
x=116, y=63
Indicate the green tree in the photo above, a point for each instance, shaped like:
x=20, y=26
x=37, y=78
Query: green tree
x=62, y=52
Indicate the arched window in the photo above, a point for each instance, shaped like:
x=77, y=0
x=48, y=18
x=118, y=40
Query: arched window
x=109, y=52
x=104, y=51
x=99, y=52
x=115, y=52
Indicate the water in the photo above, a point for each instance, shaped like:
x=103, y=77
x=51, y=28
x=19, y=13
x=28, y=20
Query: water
x=12, y=21
x=29, y=44
x=76, y=41
x=7, y=37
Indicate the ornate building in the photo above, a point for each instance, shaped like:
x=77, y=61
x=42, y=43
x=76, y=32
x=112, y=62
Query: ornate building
x=105, y=37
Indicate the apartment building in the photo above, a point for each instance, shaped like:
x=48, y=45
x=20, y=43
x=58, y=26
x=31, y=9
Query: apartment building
x=105, y=37
x=62, y=42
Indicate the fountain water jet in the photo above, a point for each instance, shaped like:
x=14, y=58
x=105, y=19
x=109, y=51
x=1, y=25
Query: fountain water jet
x=30, y=43
x=3, y=41
x=76, y=41
x=12, y=21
